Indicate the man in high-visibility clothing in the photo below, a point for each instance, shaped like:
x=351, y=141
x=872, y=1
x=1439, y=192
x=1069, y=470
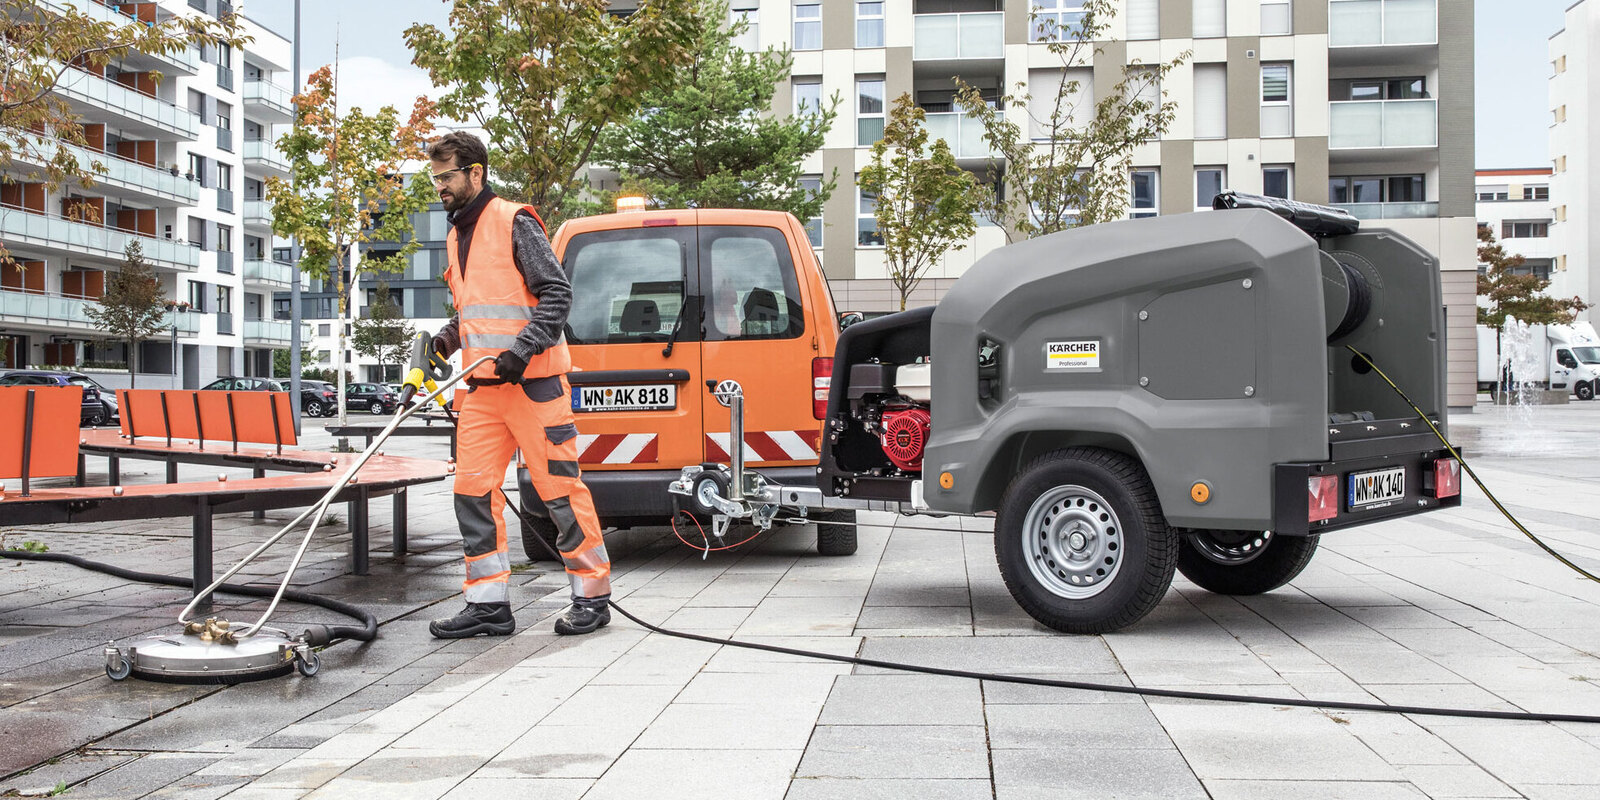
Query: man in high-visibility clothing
x=511, y=299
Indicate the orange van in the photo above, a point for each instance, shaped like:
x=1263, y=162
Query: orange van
x=665, y=302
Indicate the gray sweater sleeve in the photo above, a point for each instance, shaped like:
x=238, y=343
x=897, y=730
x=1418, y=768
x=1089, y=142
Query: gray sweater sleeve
x=545, y=279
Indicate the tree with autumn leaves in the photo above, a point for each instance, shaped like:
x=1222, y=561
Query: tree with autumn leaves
x=348, y=188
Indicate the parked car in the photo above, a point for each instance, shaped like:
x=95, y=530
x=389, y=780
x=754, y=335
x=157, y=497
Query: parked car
x=327, y=396
x=314, y=401
x=99, y=403
x=372, y=396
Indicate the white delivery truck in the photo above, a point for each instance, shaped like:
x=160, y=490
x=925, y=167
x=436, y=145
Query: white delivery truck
x=1553, y=356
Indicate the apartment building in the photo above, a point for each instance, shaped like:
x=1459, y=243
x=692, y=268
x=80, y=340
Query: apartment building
x=186, y=157
x=1515, y=205
x=1574, y=157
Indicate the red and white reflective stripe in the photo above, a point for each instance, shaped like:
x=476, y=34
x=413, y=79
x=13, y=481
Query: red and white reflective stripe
x=617, y=448
x=767, y=445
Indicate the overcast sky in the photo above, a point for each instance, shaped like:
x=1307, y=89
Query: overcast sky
x=1513, y=70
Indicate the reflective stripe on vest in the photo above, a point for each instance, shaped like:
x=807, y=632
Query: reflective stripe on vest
x=493, y=299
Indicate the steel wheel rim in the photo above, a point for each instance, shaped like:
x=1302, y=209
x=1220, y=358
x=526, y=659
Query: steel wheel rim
x=1230, y=548
x=1073, y=542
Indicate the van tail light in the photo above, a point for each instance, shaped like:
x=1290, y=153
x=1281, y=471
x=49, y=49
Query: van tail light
x=1323, y=501
x=821, y=383
x=1446, y=477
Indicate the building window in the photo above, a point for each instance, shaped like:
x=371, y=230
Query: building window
x=1144, y=19
x=1077, y=108
x=869, y=111
x=746, y=11
x=1143, y=194
x=224, y=116
x=197, y=232
x=1492, y=193
x=866, y=218
x=1539, y=229
x=225, y=176
x=1277, y=101
x=1377, y=189
x=812, y=186
x=807, y=96
x=1385, y=89
x=1211, y=101
x=869, y=23
x=224, y=238
x=1276, y=182
x=1210, y=18
x=1276, y=19
x=808, y=26
x=1208, y=183
x=197, y=168
x=1057, y=20
x=1536, y=193
x=197, y=297
x=224, y=299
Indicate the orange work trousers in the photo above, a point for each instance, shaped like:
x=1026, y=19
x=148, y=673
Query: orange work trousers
x=537, y=417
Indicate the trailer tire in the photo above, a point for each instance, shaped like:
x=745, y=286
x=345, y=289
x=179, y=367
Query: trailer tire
x=839, y=538
x=1241, y=562
x=1099, y=510
x=1585, y=391
x=541, y=528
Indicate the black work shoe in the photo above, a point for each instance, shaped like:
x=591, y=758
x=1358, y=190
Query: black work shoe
x=493, y=619
x=585, y=616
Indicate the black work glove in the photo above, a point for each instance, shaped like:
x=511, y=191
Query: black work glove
x=441, y=346
x=508, y=366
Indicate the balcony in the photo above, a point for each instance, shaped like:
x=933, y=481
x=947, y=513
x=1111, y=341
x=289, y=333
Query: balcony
x=1367, y=124
x=964, y=134
x=268, y=102
x=81, y=239
x=45, y=308
x=269, y=274
x=225, y=140
x=182, y=62
x=267, y=333
x=125, y=178
x=1382, y=23
x=258, y=214
x=261, y=156
x=134, y=109
x=959, y=37
x=1390, y=210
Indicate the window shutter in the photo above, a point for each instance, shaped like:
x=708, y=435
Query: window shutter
x=1211, y=101
x=1210, y=18
x=1144, y=19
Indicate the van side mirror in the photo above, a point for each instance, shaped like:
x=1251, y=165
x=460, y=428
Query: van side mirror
x=849, y=318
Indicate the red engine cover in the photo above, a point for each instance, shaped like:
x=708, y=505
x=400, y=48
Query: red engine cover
x=905, y=433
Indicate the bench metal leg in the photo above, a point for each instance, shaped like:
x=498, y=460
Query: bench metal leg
x=114, y=467
x=260, y=472
x=81, y=479
x=172, y=470
x=202, y=549
x=358, y=533
x=399, y=527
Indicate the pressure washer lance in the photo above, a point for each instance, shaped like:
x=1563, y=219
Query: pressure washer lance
x=212, y=650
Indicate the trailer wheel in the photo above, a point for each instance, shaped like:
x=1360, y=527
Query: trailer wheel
x=1585, y=391
x=542, y=528
x=1243, y=562
x=1082, y=543
x=839, y=538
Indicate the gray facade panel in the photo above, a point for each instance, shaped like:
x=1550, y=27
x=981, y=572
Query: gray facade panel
x=1177, y=175
x=1177, y=19
x=1108, y=68
x=839, y=215
x=1311, y=16
x=1019, y=19
x=897, y=78
x=838, y=24
x=1311, y=169
x=1456, y=141
x=1244, y=87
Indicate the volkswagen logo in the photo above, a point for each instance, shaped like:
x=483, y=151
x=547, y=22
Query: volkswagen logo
x=725, y=391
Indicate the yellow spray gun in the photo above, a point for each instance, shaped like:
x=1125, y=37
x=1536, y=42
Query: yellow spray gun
x=426, y=367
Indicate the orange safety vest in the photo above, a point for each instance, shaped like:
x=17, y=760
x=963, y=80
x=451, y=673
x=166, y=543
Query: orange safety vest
x=495, y=304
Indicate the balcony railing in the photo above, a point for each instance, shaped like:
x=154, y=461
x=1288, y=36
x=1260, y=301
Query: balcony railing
x=267, y=331
x=1368, y=23
x=225, y=77
x=274, y=97
x=188, y=324
x=44, y=308
x=261, y=153
x=118, y=99
x=184, y=59
x=1391, y=210
x=19, y=226
x=257, y=214
x=128, y=174
x=941, y=37
x=1356, y=124
x=225, y=200
x=964, y=134
x=225, y=140
x=260, y=271
x=225, y=262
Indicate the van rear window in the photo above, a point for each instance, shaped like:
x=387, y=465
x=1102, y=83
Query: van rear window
x=753, y=293
x=627, y=286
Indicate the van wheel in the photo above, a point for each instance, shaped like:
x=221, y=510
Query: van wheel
x=1585, y=391
x=838, y=538
x=1243, y=562
x=541, y=529
x=1082, y=543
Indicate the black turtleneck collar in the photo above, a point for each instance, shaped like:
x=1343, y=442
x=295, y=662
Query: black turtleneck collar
x=463, y=219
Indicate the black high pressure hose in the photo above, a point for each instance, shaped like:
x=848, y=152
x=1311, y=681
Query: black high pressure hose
x=316, y=635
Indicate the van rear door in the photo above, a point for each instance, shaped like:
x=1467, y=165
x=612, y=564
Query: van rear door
x=633, y=290
x=757, y=332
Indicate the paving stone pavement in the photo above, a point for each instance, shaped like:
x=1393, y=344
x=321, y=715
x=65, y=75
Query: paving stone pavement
x=1449, y=609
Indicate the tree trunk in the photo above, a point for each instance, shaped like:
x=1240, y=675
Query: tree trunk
x=133, y=349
